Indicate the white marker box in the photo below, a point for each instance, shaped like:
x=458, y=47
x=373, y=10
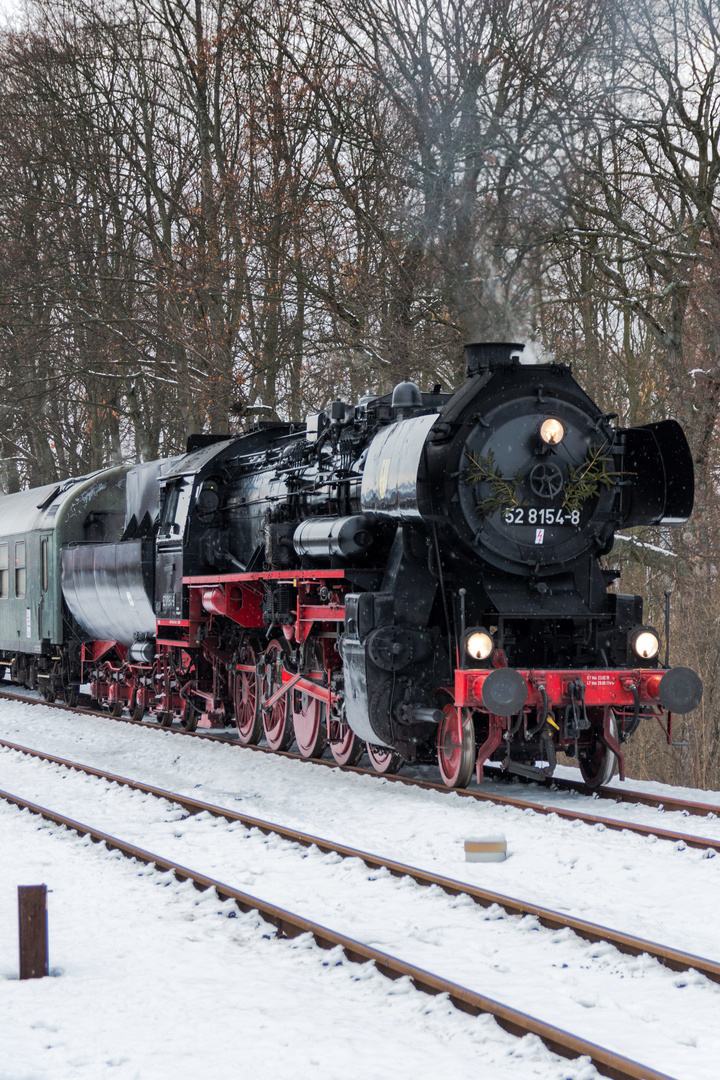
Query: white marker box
x=486, y=849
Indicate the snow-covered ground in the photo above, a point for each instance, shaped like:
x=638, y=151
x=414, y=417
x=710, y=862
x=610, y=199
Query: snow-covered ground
x=154, y=980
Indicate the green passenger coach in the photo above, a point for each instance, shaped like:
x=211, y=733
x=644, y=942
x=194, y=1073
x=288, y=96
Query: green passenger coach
x=34, y=527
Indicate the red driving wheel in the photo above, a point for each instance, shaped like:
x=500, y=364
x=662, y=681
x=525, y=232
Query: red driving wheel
x=276, y=721
x=598, y=764
x=456, y=747
x=245, y=699
x=383, y=759
x=349, y=748
x=309, y=724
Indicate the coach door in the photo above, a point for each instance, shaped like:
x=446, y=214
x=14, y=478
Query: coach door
x=45, y=594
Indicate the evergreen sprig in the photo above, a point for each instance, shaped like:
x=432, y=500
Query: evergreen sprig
x=585, y=480
x=503, y=489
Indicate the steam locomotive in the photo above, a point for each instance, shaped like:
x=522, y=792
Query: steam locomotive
x=417, y=576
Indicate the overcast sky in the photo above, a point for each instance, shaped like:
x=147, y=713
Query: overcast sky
x=9, y=8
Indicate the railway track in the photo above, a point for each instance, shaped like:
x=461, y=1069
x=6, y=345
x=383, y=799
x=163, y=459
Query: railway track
x=615, y=824
x=552, y=920
x=640, y=798
x=289, y=924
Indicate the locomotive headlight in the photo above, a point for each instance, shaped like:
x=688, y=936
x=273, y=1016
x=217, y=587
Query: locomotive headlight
x=552, y=431
x=479, y=644
x=645, y=643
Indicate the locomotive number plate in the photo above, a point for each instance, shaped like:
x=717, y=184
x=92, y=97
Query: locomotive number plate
x=540, y=515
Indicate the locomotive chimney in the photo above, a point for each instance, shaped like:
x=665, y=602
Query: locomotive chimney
x=482, y=355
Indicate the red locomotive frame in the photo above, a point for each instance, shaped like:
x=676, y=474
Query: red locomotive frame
x=191, y=666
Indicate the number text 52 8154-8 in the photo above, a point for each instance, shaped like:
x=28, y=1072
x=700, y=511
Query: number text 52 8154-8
x=533, y=515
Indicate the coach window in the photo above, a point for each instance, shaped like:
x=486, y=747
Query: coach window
x=4, y=572
x=20, y=568
x=44, y=563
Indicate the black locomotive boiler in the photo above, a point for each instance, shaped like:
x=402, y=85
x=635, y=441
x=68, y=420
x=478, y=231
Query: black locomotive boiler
x=417, y=576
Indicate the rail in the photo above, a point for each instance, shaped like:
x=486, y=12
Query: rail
x=552, y=920
x=291, y=925
x=613, y=794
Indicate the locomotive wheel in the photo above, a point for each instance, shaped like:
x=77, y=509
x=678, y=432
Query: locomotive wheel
x=116, y=709
x=165, y=719
x=189, y=717
x=72, y=697
x=309, y=725
x=48, y=692
x=598, y=766
x=349, y=749
x=136, y=711
x=384, y=760
x=456, y=750
x=277, y=722
x=245, y=698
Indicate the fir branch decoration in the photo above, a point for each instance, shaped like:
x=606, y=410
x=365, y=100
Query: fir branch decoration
x=585, y=480
x=503, y=489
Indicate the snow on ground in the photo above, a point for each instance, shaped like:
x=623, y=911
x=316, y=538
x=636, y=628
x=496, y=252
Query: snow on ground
x=660, y=891
x=153, y=980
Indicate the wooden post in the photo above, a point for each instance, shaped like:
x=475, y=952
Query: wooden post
x=32, y=919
